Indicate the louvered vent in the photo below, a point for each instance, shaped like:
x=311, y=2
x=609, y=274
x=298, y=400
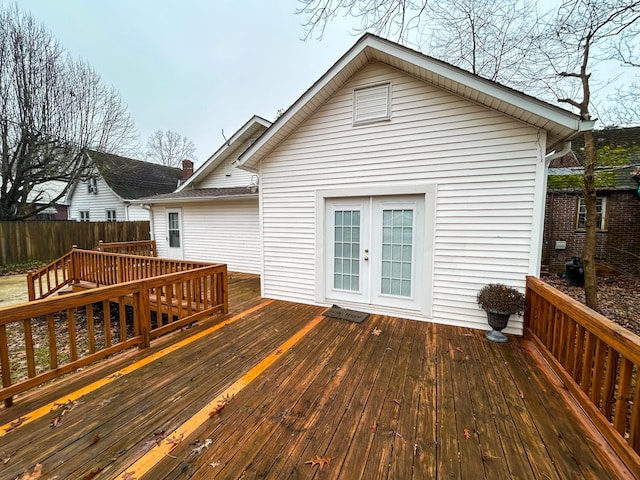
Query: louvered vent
x=371, y=104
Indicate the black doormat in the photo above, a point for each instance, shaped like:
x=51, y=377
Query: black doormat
x=345, y=314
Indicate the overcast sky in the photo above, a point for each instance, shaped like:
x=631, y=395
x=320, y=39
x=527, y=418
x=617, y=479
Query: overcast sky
x=195, y=66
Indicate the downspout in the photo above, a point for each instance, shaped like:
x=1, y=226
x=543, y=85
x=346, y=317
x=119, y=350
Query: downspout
x=149, y=209
x=566, y=148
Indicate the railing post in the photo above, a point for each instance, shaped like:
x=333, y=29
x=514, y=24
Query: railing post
x=72, y=265
x=120, y=269
x=144, y=315
x=4, y=363
x=31, y=288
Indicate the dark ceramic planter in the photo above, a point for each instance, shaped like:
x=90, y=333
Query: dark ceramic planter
x=497, y=321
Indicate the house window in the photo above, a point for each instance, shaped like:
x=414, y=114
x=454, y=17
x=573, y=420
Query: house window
x=601, y=209
x=372, y=104
x=84, y=215
x=111, y=215
x=92, y=186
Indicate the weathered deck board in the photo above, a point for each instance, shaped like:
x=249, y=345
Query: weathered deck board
x=394, y=405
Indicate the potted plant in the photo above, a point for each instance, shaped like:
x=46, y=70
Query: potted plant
x=500, y=302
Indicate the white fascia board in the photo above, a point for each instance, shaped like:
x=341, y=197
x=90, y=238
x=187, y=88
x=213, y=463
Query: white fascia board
x=537, y=107
x=487, y=87
x=218, y=157
x=173, y=201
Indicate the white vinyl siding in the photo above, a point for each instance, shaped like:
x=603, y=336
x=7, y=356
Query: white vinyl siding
x=226, y=174
x=483, y=163
x=221, y=231
x=371, y=104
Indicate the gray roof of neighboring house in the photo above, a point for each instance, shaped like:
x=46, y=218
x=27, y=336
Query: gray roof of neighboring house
x=569, y=179
x=202, y=194
x=132, y=179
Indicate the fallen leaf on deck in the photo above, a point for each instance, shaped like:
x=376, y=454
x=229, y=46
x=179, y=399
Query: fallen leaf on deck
x=92, y=474
x=95, y=440
x=128, y=476
x=467, y=434
x=199, y=449
x=56, y=420
x=376, y=332
x=35, y=475
x=521, y=394
x=175, y=441
x=215, y=464
x=216, y=409
x=6, y=458
x=458, y=349
x=322, y=461
x=15, y=424
x=115, y=376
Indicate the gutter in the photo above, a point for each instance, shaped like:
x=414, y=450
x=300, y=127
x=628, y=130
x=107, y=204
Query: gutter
x=566, y=148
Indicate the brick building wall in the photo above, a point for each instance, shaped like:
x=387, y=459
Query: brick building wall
x=618, y=246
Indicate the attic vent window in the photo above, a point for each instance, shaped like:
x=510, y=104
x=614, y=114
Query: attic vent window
x=92, y=186
x=372, y=104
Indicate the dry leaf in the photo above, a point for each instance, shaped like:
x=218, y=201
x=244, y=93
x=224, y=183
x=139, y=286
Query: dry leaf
x=199, y=449
x=216, y=409
x=115, y=376
x=467, y=434
x=376, y=332
x=15, y=424
x=215, y=464
x=56, y=420
x=7, y=458
x=458, y=349
x=521, y=394
x=95, y=440
x=92, y=474
x=128, y=476
x=322, y=461
x=35, y=475
x=175, y=441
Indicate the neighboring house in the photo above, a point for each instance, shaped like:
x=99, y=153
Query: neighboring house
x=214, y=215
x=107, y=196
x=618, y=203
x=45, y=193
x=399, y=184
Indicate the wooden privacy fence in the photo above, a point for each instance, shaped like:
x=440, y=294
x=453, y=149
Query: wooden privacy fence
x=597, y=360
x=26, y=241
x=80, y=328
x=99, y=268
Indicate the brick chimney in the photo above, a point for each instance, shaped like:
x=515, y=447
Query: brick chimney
x=187, y=169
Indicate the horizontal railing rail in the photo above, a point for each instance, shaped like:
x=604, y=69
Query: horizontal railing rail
x=597, y=360
x=99, y=268
x=49, y=279
x=77, y=329
x=140, y=247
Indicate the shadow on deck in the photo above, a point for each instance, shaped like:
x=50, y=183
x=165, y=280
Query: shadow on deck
x=273, y=386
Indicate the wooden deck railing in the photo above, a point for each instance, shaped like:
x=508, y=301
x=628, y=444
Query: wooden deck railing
x=83, y=327
x=50, y=278
x=141, y=247
x=598, y=361
x=100, y=268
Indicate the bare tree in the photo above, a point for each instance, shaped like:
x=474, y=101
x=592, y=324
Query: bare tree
x=51, y=109
x=579, y=38
x=169, y=148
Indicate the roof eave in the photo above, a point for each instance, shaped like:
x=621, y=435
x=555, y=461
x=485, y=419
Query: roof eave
x=370, y=47
x=160, y=201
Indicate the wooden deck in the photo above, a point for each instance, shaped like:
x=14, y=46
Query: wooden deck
x=388, y=398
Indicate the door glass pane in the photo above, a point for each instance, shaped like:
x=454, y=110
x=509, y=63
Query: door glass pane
x=174, y=229
x=397, y=246
x=346, y=273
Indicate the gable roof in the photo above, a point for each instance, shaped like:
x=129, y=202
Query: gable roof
x=131, y=179
x=559, y=124
x=254, y=126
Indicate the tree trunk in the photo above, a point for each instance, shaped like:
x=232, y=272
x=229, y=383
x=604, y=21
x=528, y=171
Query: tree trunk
x=588, y=254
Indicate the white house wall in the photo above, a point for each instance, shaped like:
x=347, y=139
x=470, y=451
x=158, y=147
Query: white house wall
x=220, y=231
x=98, y=203
x=483, y=163
x=227, y=175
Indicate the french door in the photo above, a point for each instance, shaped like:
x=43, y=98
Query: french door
x=375, y=250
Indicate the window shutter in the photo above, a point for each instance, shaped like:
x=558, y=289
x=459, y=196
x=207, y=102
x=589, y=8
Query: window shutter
x=371, y=104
